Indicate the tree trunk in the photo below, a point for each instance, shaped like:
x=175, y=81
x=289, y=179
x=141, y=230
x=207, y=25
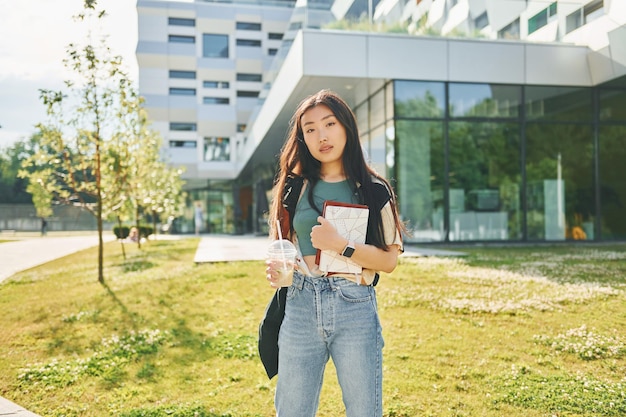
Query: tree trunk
x=119, y=223
x=154, y=223
x=99, y=214
x=138, y=229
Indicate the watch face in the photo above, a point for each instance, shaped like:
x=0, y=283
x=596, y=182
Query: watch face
x=348, y=251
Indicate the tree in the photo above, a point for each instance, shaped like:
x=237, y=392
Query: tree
x=12, y=187
x=87, y=148
x=142, y=184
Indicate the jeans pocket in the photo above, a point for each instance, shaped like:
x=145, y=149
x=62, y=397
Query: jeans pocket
x=355, y=293
x=291, y=292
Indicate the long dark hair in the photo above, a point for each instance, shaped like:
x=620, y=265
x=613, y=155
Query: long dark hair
x=296, y=160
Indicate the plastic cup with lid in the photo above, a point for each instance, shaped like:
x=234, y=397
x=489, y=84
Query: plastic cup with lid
x=281, y=257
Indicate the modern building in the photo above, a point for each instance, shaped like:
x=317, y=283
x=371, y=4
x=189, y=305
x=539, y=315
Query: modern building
x=495, y=120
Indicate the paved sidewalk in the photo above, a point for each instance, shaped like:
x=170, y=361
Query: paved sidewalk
x=24, y=254
x=7, y=408
x=224, y=248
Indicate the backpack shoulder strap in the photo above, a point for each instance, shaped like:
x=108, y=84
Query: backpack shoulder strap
x=290, y=196
x=382, y=194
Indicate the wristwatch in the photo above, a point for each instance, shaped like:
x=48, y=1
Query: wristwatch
x=348, y=251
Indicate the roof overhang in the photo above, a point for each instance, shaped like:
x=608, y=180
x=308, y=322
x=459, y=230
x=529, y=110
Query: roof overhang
x=356, y=64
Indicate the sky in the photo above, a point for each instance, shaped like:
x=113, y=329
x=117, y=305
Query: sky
x=34, y=35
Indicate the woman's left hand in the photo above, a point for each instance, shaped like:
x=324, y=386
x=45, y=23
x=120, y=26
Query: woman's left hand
x=324, y=236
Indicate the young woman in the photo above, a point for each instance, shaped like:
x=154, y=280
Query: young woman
x=331, y=316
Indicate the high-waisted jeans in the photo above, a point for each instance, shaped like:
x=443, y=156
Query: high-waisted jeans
x=329, y=318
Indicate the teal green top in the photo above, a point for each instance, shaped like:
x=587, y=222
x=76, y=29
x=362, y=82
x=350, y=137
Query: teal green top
x=306, y=217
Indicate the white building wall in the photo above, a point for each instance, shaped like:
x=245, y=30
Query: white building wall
x=157, y=56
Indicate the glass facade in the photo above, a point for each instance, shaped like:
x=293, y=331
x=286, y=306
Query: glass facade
x=218, y=208
x=488, y=162
x=484, y=181
x=611, y=156
x=559, y=175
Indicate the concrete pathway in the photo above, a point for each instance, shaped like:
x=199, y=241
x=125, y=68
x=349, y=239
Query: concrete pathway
x=24, y=254
x=7, y=408
x=224, y=248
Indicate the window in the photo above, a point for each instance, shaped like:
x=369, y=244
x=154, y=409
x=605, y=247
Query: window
x=542, y=18
x=484, y=181
x=295, y=26
x=419, y=99
x=510, y=31
x=215, y=100
x=216, y=148
x=215, y=84
x=574, y=21
x=481, y=21
x=593, y=10
x=613, y=105
x=276, y=36
x=183, y=126
x=484, y=100
x=248, y=26
x=183, y=144
x=249, y=77
x=181, y=39
x=190, y=75
x=214, y=46
x=272, y=51
x=181, y=21
x=584, y=15
x=248, y=42
x=175, y=91
x=559, y=179
x=554, y=103
x=247, y=94
x=612, y=154
x=420, y=177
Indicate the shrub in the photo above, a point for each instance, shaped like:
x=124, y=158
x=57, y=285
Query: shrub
x=121, y=232
x=124, y=231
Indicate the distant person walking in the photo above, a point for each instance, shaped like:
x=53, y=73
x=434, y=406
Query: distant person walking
x=198, y=218
x=44, y=226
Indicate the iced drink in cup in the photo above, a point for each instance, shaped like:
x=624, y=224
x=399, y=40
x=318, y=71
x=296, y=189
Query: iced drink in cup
x=281, y=257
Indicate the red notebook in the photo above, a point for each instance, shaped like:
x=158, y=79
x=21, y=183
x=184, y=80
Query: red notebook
x=350, y=220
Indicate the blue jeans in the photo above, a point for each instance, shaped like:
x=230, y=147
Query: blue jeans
x=329, y=318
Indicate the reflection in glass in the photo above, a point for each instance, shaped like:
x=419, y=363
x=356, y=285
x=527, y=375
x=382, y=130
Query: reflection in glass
x=214, y=46
x=376, y=155
x=612, y=154
x=362, y=117
x=613, y=105
x=419, y=99
x=216, y=149
x=420, y=175
x=390, y=157
x=377, y=109
x=482, y=124
x=554, y=103
x=559, y=172
x=484, y=100
x=485, y=181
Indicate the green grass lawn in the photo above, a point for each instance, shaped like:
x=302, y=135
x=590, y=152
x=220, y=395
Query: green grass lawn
x=518, y=331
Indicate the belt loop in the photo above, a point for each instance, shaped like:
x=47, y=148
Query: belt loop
x=332, y=281
x=298, y=280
